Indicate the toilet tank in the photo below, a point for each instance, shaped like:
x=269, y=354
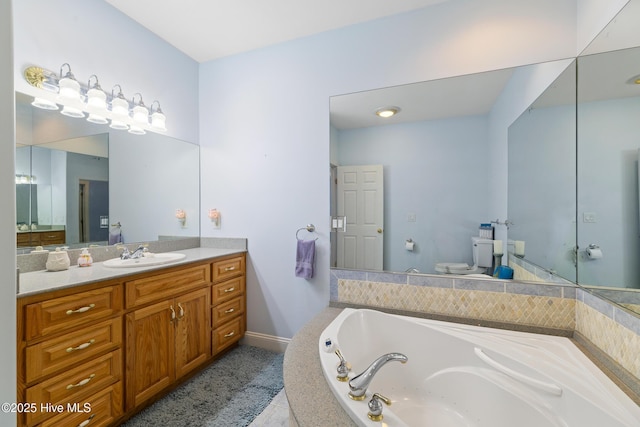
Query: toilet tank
x=482, y=252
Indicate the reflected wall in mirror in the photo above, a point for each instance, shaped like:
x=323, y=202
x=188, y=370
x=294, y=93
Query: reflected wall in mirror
x=542, y=179
x=608, y=148
x=436, y=167
x=136, y=180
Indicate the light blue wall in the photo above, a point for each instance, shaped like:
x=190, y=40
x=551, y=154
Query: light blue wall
x=437, y=170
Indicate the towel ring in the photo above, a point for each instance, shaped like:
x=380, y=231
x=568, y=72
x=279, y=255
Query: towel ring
x=310, y=228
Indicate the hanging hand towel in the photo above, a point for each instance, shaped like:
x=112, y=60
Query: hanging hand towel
x=305, y=256
x=115, y=235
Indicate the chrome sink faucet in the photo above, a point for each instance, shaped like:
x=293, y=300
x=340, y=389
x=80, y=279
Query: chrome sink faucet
x=138, y=253
x=358, y=385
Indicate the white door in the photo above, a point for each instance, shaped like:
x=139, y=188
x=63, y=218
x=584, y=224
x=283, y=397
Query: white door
x=361, y=199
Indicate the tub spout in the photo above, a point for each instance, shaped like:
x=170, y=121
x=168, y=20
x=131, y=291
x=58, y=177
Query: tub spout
x=359, y=384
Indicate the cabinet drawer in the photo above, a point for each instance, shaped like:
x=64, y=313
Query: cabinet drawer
x=227, y=290
x=55, y=315
x=224, y=312
x=102, y=409
x=163, y=286
x=226, y=268
x=228, y=334
x=83, y=380
x=51, y=237
x=53, y=355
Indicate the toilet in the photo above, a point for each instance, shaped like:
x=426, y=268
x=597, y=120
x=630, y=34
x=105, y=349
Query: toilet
x=482, y=259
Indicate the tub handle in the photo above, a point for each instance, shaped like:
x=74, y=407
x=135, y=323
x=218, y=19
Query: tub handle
x=541, y=385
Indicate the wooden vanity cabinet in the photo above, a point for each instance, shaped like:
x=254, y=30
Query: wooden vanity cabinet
x=168, y=331
x=118, y=345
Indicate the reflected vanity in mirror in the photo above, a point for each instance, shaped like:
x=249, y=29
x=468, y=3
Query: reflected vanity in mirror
x=80, y=179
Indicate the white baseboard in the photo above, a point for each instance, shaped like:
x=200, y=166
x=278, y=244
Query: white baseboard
x=268, y=342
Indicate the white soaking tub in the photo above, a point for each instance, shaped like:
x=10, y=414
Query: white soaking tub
x=468, y=376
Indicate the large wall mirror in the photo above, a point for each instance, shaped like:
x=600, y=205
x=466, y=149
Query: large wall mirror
x=573, y=174
x=434, y=178
x=76, y=180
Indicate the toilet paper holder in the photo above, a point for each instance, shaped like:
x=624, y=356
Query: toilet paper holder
x=593, y=251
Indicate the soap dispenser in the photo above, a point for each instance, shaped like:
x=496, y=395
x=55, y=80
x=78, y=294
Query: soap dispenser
x=58, y=260
x=85, y=259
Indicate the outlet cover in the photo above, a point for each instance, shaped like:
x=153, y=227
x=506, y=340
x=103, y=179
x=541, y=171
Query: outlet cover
x=589, y=217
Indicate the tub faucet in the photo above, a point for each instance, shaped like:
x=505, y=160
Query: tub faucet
x=359, y=384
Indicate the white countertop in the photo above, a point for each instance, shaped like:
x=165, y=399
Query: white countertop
x=42, y=281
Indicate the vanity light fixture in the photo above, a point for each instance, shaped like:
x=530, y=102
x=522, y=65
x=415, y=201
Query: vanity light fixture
x=386, y=112
x=157, y=117
x=69, y=94
x=140, y=115
x=119, y=110
x=96, y=103
x=77, y=99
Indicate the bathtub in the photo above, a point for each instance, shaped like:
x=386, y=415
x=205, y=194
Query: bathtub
x=468, y=376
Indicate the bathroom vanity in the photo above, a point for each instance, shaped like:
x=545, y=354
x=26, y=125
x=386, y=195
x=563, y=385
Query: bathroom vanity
x=95, y=352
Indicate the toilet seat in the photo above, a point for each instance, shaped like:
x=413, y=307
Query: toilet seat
x=458, y=268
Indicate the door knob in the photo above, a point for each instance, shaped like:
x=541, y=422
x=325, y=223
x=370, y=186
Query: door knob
x=379, y=230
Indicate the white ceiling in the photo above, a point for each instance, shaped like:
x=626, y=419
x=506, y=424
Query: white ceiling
x=211, y=29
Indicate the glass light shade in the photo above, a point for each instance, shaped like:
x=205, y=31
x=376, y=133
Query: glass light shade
x=158, y=121
x=118, y=124
x=96, y=98
x=45, y=104
x=141, y=114
x=97, y=118
x=120, y=107
x=136, y=130
x=69, y=88
x=71, y=111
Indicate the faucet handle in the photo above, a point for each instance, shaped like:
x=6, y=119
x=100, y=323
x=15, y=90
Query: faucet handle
x=375, y=407
x=343, y=368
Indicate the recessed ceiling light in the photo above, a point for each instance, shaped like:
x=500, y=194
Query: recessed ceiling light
x=387, y=112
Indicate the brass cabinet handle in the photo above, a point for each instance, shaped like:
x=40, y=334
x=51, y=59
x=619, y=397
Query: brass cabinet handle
x=230, y=268
x=81, y=382
x=173, y=313
x=231, y=310
x=81, y=309
x=81, y=346
x=87, y=421
x=230, y=334
x=181, y=315
x=229, y=290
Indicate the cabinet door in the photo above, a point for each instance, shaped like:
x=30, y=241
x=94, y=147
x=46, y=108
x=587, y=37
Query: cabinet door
x=193, y=333
x=150, y=351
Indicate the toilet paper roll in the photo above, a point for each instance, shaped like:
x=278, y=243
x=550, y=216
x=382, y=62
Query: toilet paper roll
x=408, y=245
x=594, y=253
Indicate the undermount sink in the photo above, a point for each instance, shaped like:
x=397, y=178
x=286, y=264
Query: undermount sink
x=146, y=261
